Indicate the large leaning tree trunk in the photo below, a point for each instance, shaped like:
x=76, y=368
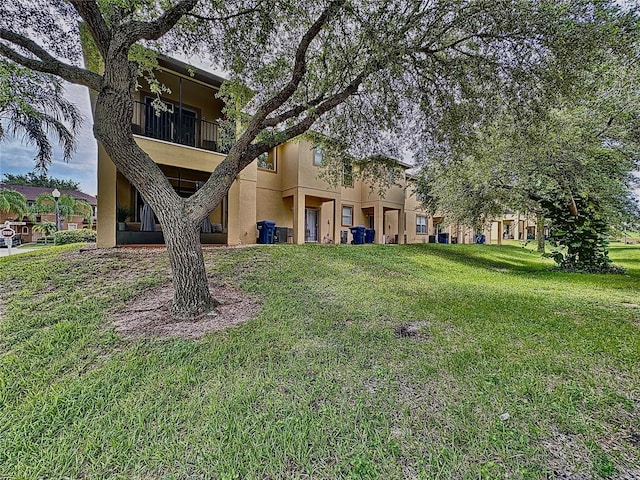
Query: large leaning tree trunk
x=112, y=127
x=181, y=218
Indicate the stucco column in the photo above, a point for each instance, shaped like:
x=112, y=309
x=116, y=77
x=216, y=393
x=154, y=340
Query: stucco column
x=107, y=178
x=298, y=218
x=500, y=232
x=378, y=218
x=401, y=226
x=337, y=221
x=242, y=207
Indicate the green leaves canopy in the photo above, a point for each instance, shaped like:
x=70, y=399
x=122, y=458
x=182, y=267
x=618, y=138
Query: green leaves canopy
x=39, y=180
x=67, y=206
x=13, y=203
x=392, y=74
x=583, y=145
x=33, y=104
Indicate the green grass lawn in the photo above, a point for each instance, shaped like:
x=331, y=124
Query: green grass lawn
x=374, y=362
x=34, y=245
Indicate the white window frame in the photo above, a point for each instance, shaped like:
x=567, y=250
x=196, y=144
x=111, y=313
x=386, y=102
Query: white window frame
x=318, y=156
x=265, y=163
x=421, y=224
x=349, y=208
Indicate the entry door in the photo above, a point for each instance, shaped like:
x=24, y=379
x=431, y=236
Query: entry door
x=371, y=220
x=311, y=225
x=158, y=124
x=185, y=126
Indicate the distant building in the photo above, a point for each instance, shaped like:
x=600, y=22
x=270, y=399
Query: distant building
x=30, y=193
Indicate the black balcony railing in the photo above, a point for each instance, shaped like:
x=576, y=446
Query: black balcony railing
x=177, y=125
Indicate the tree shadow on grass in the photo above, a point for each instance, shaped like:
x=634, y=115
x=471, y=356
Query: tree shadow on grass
x=513, y=261
x=626, y=256
x=504, y=259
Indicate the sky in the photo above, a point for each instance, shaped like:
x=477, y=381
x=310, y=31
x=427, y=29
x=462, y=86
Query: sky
x=17, y=157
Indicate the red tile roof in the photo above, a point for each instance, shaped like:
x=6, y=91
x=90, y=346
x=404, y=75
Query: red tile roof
x=32, y=192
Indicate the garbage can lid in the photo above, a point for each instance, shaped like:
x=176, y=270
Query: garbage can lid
x=267, y=223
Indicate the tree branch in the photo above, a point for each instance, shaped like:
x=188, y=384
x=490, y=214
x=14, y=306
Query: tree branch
x=227, y=17
x=225, y=173
x=46, y=63
x=244, y=152
x=306, y=123
x=299, y=67
x=154, y=30
x=92, y=16
x=293, y=112
x=607, y=126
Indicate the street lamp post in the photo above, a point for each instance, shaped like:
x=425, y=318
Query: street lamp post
x=56, y=195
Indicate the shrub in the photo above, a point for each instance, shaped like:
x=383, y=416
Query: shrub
x=83, y=235
x=580, y=239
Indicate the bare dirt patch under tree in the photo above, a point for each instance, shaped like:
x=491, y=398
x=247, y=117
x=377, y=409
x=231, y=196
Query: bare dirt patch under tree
x=149, y=314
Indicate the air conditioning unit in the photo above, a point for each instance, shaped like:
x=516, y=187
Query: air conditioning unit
x=283, y=234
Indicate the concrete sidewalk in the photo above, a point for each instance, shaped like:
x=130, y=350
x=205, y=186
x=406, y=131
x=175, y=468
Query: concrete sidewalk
x=4, y=252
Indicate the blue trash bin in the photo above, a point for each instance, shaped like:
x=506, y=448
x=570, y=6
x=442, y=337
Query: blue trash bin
x=479, y=238
x=369, y=235
x=358, y=233
x=266, y=231
x=443, y=238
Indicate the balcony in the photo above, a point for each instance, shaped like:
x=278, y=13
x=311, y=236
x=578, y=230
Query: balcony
x=178, y=125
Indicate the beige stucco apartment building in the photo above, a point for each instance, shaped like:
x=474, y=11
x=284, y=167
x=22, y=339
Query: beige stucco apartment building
x=283, y=186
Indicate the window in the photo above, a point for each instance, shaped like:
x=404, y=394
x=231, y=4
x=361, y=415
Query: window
x=317, y=156
x=347, y=216
x=267, y=161
x=421, y=224
x=347, y=174
x=25, y=230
